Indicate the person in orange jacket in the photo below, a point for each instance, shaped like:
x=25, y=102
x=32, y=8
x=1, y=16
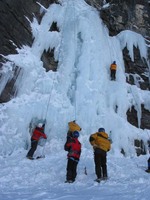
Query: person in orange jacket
x=37, y=134
x=113, y=68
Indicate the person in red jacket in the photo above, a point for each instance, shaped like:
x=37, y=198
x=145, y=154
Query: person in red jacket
x=73, y=146
x=37, y=134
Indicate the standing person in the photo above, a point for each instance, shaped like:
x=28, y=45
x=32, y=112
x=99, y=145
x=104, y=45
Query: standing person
x=148, y=170
x=73, y=146
x=37, y=134
x=101, y=145
x=113, y=68
x=73, y=126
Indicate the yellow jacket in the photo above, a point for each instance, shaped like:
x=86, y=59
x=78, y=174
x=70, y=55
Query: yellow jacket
x=113, y=66
x=100, y=140
x=73, y=126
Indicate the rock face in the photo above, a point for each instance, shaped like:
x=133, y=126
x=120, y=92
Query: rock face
x=124, y=15
x=15, y=31
x=14, y=23
x=118, y=16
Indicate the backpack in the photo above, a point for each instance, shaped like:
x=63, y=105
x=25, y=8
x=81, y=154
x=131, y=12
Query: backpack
x=103, y=141
x=100, y=140
x=73, y=126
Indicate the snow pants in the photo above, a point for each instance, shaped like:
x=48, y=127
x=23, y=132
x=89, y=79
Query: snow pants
x=71, y=169
x=113, y=74
x=33, y=148
x=100, y=160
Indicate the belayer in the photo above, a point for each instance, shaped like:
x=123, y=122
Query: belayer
x=101, y=145
x=73, y=146
x=38, y=133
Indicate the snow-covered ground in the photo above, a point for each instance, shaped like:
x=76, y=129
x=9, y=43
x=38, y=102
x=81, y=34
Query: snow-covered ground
x=43, y=179
x=81, y=89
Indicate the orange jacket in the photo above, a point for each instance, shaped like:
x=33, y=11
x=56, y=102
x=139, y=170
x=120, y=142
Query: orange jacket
x=113, y=66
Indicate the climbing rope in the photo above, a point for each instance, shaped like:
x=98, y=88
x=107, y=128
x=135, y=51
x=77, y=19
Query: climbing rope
x=61, y=42
x=74, y=36
x=48, y=103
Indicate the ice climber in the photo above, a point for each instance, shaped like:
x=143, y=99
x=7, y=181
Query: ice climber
x=38, y=133
x=113, y=68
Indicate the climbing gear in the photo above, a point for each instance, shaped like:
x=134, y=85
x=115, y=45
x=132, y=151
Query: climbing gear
x=73, y=126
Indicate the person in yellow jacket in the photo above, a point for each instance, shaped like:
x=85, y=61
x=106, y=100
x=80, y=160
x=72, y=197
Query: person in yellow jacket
x=73, y=126
x=101, y=145
x=113, y=68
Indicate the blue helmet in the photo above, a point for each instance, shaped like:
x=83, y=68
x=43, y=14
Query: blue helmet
x=75, y=134
x=101, y=130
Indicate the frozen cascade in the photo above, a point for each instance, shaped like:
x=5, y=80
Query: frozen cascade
x=81, y=88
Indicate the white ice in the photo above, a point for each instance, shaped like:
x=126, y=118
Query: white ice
x=80, y=89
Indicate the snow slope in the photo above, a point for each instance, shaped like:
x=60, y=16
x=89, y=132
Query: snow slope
x=43, y=179
x=80, y=89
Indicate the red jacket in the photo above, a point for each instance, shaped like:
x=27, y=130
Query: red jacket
x=73, y=146
x=38, y=133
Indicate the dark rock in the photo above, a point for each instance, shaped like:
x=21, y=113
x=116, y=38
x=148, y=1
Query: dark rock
x=49, y=62
x=15, y=28
x=137, y=71
x=140, y=147
x=145, y=120
x=15, y=31
x=10, y=89
x=132, y=116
